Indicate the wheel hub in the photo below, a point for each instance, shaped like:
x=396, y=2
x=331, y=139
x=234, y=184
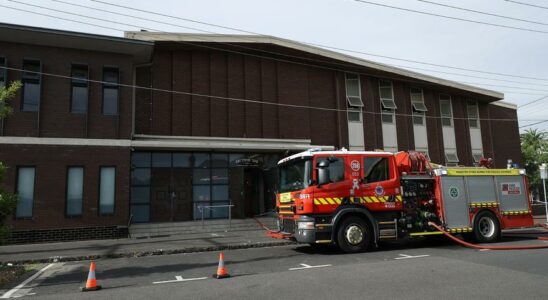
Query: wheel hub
x=354, y=234
x=486, y=227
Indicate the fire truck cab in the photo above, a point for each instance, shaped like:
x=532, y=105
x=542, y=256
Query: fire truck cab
x=354, y=199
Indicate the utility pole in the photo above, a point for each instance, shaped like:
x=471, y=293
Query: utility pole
x=544, y=176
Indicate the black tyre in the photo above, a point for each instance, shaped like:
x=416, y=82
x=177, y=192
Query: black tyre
x=353, y=235
x=486, y=228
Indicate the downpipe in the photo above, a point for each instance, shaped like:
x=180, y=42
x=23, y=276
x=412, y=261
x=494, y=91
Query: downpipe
x=475, y=246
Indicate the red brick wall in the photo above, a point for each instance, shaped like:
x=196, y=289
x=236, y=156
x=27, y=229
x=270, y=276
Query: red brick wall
x=51, y=164
x=505, y=136
x=55, y=118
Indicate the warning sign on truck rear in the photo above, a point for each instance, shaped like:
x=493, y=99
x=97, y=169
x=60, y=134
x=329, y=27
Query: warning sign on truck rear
x=511, y=188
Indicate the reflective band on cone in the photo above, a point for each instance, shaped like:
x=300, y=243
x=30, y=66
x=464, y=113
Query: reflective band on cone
x=221, y=270
x=91, y=283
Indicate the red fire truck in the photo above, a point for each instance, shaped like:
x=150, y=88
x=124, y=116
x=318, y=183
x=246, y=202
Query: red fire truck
x=354, y=199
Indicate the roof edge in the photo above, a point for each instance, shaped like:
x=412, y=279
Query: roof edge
x=233, y=38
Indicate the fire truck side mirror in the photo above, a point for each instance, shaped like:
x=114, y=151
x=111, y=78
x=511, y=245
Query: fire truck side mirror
x=323, y=172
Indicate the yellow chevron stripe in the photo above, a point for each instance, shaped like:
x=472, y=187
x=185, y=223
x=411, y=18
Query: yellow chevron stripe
x=322, y=200
x=330, y=200
x=374, y=199
x=398, y=197
x=316, y=202
x=368, y=200
x=338, y=200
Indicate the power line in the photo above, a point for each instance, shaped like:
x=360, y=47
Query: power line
x=527, y=4
x=482, y=12
x=235, y=99
x=540, y=122
x=449, y=17
x=314, y=44
x=531, y=102
x=468, y=75
x=132, y=25
x=209, y=47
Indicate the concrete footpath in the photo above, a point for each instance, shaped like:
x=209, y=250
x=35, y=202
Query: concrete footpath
x=182, y=243
x=236, y=238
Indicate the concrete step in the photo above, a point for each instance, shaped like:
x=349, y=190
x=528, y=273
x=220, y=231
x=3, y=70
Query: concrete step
x=182, y=228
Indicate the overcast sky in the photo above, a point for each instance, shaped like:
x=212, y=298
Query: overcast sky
x=357, y=26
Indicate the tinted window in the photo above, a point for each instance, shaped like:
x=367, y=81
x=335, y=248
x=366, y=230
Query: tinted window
x=3, y=71
x=25, y=192
x=79, y=89
x=336, y=169
x=31, y=85
x=107, y=185
x=75, y=191
x=110, y=91
x=376, y=169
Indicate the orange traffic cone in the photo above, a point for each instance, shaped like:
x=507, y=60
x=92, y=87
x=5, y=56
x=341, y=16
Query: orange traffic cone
x=91, y=283
x=221, y=270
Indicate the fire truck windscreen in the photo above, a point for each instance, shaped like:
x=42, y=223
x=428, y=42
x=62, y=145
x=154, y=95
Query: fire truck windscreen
x=295, y=175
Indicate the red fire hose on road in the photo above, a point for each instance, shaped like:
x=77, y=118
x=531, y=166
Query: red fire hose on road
x=474, y=246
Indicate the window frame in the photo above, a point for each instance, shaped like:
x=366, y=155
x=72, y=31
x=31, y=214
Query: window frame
x=418, y=112
x=4, y=71
x=33, y=191
x=388, y=172
x=67, y=215
x=35, y=77
x=78, y=83
x=474, y=156
x=450, y=116
x=357, y=80
x=449, y=161
x=99, y=192
x=387, y=110
x=114, y=86
x=327, y=157
x=477, y=118
x=357, y=112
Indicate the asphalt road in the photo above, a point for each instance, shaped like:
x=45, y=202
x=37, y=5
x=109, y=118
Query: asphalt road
x=423, y=270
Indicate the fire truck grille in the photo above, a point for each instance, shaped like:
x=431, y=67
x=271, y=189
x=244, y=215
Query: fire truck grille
x=288, y=225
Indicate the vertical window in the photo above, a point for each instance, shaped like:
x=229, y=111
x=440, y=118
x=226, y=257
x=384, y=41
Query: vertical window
x=353, y=97
x=3, y=71
x=388, y=106
x=446, y=111
x=79, y=89
x=110, y=91
x=376, y=169
x=418, y=106
x=31, y=85
x=107, y=188
x=75, y=191
x=336, y=168
x=473, y=116
x=25, y=192
x=353, y=93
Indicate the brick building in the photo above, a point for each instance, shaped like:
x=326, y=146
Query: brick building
x=152, y=126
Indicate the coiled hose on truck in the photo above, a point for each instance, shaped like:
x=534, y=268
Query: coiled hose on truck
x=474, y=246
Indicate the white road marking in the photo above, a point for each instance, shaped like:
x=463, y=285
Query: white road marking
x=305, y=266
x=405, y=256
x=179, y=279
x=9, y=293
x=484, y=249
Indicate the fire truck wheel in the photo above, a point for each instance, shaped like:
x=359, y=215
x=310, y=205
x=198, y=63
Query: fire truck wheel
x=353, y=235
x=486, y=228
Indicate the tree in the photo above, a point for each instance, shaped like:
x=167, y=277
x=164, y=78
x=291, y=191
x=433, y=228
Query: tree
x=8, y=201
x=534, y=147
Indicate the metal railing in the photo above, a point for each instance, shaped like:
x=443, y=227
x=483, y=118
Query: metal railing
x=202, y=208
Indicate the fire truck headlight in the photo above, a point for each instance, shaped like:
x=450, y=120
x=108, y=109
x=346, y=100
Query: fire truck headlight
x=305, y=225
